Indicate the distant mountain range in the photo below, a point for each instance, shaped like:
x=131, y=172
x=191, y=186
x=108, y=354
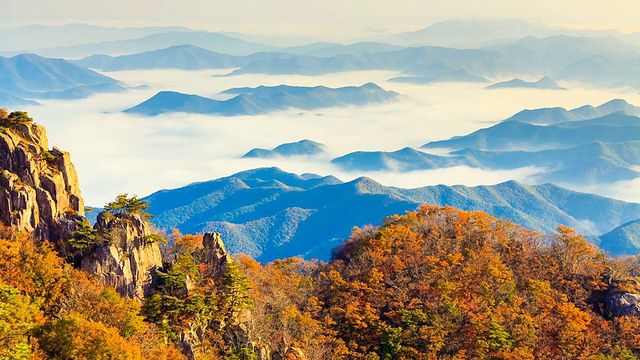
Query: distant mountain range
x=207, y=40
x=32, y=37
x=270, y=214
x=477, y=33
x=458, y=50
x=263, y=99
x=517, y=135
x=64, y=39
x=604, y=59
x=545, y=83
x=476, y=62
x=325, y=49
x=425, y=64
x=30, y=76
x=304, y=147
x=185, y=57
x=554, y=115
x=587, y=145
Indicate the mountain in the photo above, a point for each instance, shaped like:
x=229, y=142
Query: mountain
x=595, y=162
x=269, y=214
x=33, y=37
x=263, y=99
x=325, y=49
x=590, y=163
x=449, y=76
x=569, y=150
x=406, y=159
x=473, y=33
x=558, y=115
x=185, y=57
x=207, y=40
x=622, y=240
x=34, y=77
x=546, y=55
x=9, y=100
x=604, y=70
x=302, y=147
x=478, y=62
x=545, y=83
x=618, y=118
x=303, y=65
x=516, y=135
x=606, y=62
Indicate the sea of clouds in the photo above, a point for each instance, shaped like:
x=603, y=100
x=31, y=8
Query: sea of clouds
x=120, y=153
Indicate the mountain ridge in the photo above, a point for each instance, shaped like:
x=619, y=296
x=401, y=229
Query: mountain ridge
x=263, y=99
x=269, y=213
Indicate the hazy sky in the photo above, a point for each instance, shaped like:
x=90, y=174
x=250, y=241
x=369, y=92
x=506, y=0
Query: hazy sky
x=282, y=14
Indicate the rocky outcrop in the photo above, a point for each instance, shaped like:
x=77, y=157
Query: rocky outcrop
x=39, y=189
x=215, y=254
x=129, y=259
x=622, y=304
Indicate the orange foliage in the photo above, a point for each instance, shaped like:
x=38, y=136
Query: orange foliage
x=440, y=283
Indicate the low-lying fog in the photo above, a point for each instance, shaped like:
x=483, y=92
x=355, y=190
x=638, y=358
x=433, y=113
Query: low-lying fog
x=119, y=153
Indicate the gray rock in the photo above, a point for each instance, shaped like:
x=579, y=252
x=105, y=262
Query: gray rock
x=622, y=304
x=215, y=254
x=129, y=260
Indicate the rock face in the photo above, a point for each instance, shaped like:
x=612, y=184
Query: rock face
x=129, y=260
x=622, y=304
x=39, y=193
x=39, y=189
x=215, y=254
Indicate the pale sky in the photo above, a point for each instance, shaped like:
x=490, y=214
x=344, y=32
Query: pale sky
x=290, y=14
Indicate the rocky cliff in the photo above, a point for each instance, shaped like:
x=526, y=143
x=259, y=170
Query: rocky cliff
x=39, y=189
x=39, y=193
x=129, y=258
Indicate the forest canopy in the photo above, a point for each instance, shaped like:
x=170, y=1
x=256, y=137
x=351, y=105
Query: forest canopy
x=437, y=283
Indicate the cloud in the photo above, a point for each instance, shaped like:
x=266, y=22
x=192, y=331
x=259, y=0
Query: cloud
x=623, y=190
x=117, y=153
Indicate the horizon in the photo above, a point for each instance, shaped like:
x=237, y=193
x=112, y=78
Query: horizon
x=327, y=20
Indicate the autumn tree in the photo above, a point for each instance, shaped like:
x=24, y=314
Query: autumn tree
x=440, y=283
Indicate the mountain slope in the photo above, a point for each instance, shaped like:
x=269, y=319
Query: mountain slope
x=263, y=99
x=589, y=163
x=510, y=135
x=32, y=37
x=545, y=83
x=406, y=159
x=302, y=147
x=324, y=49
x=207, y=40
x=32, y=76
x=555, y=115
x=466, y=33
x=622, y=240
x=185, y=57
x=269, y=214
